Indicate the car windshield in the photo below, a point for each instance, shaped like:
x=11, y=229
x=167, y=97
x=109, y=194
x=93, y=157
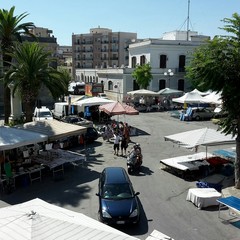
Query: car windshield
x=45, y=114
x=117, y=191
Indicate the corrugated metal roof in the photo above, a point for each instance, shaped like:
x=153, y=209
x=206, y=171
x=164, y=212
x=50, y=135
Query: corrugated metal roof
x=37, y=219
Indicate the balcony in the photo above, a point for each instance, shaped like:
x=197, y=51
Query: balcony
x=87, y=42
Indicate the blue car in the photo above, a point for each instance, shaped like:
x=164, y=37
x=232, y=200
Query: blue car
x=118, y=203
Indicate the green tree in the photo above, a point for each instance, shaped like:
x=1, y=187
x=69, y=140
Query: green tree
x=66, y=77
x=11, y=30
x=216, y=66
x=143, y=75
x=30, y=72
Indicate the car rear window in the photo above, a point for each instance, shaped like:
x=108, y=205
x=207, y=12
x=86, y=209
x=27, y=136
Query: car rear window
x=117, y=191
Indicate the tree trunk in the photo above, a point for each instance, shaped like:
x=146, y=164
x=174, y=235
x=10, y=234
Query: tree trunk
x=6, y=90
x=29, y=111
x=237, y=160
x=7, y=104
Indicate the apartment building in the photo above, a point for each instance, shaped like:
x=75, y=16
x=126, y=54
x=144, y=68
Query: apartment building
x=44, y=38
x=101, y=48
x=64, y=56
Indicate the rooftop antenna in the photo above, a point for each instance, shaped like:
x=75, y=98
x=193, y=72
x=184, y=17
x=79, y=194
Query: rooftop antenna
x=188, y=20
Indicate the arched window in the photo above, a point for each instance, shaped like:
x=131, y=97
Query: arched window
x=181, y=84
x=182, y=61
x=134, y=62
x=142, y=60
x=163, y=61
x=162, y=84
x=82, y=76
x=110, y=85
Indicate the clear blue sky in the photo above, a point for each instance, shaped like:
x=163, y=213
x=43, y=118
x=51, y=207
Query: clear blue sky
x=147, y=18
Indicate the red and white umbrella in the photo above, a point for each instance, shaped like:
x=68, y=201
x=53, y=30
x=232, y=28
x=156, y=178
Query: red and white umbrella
x=116, y=108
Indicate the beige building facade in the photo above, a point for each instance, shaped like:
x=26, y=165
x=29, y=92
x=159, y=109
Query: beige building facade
x=101, y=48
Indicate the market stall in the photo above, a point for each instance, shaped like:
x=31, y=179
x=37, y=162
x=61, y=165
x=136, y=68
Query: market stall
x=55, y=159
x=14, y=160
x=184, y=166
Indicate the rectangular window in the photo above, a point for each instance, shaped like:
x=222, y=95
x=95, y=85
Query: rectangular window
x=163, y=61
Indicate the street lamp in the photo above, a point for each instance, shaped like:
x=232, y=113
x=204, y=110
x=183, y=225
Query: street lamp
x=169, y=73
x=117, y=86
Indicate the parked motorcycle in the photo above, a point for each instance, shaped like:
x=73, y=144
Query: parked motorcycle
x=134, y=159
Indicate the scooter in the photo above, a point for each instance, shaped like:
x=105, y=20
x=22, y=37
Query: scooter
x=134, y=159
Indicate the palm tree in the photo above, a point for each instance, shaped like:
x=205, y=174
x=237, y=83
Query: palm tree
x=30, y=72
x=10, y=31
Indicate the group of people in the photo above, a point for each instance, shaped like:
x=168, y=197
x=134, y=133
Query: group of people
x=120, y=132
x=121, y=138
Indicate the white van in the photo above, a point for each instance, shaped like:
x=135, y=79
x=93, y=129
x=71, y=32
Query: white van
x=60, y=110
x=42, y=113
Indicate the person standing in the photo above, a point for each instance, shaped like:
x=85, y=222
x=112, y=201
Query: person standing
x=126, y=132
x=124, y=146
x=116, y=143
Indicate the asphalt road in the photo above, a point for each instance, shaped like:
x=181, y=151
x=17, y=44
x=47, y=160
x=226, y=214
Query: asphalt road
x=162, y=194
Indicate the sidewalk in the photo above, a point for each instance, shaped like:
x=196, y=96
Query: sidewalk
x=231, y=191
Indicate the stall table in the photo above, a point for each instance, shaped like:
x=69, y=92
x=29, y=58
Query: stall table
x=232, y=203
x=186, y=165
x=56, y=158
x=203, y=197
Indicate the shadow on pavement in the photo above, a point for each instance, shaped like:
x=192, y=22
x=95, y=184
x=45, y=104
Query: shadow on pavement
x=140, y=229
x=70, y=189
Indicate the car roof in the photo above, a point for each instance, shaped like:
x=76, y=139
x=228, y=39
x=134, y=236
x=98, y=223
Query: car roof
x=115, y=175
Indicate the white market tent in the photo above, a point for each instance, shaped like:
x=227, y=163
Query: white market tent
x=169, y=91
x=92, y=101
x=201, y=93
x=204, y=136
x=213, y=98
x=11, y=138
x=54, y=129
x=142, y=92
x=190, y=97
x=37, y=219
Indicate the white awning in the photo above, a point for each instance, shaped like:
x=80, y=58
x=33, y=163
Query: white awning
x=37, y=219
x=11, y=138
x=203, y=136
x=54, y=129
